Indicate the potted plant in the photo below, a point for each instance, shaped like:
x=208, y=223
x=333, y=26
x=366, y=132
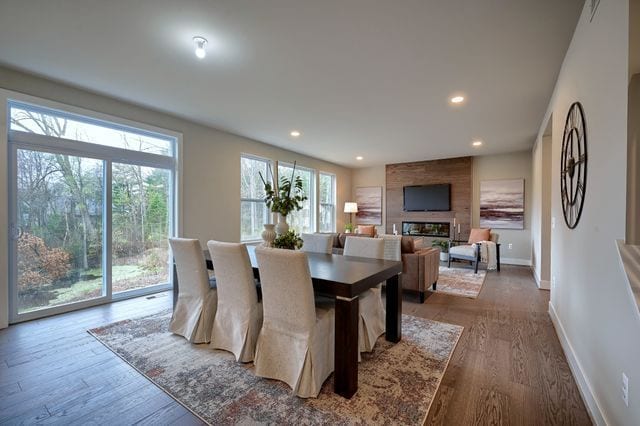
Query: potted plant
x=443, y=245
x=290, y=240
x=348, y=228
x=283, y=198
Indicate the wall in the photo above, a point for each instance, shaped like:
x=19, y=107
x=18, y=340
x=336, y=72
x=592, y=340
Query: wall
x=591, y=307
x=506, y=166
x=455, y=171
x=369, y=176
x=211, y=164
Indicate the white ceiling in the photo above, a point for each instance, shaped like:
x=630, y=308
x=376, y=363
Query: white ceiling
x=356, y=77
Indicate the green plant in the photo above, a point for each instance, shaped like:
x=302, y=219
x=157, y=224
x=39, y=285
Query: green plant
x=348, y=227
x=442, y=244
x=285, y=197
x=289, y=240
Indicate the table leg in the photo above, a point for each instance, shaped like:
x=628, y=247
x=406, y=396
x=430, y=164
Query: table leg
x=346, y=346
x=175, y=285
x=394, y=309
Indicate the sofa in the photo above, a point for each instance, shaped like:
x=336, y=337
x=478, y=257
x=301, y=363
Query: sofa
x=420, y=265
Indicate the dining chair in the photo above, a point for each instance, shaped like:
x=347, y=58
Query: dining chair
x=317, y=243
x=239, y=315
x=372, y=311
x=296, y=343
x=195, y=308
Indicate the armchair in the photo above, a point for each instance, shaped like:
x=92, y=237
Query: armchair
x=471, y=251
x=420, y=267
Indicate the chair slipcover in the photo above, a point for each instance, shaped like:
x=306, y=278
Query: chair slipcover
x=317, y=243
x=372, y=311
x=239, y=315
x=296, y=343
x=196, y=306
x=392, y=246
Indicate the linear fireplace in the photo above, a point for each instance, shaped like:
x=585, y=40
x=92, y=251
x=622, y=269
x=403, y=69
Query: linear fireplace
x=426, y=229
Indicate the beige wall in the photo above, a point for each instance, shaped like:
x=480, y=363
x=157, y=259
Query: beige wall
x=515, y=165
x=594, y=314
x=541, y=212
x=370, y=176
x=211, y=164
x=634, y=37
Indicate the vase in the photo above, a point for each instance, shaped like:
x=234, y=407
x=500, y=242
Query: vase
x=282, y=227
x=268, y=235
x=444, y=256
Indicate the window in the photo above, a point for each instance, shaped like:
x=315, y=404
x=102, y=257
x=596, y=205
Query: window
x=304, y=219
x=327, y=214
x=253, y=211
x=91, y=209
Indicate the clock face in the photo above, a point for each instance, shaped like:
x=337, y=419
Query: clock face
x=573, y=165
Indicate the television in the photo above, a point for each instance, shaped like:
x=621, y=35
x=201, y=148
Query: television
x=427, y=198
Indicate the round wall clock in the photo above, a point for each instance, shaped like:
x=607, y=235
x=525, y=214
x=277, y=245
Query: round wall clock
x=573, y=165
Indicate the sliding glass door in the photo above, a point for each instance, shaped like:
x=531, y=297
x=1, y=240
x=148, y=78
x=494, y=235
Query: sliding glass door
x=91, y=207
x=59, y=205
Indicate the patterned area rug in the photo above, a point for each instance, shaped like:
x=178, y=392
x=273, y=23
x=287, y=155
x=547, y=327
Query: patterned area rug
x=396, y=383
x=460, y=281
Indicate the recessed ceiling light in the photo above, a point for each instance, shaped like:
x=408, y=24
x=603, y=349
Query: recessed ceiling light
x=359, y=158
x=295, y=133
x=200, y=42
x=457, y=99
x=476, y=143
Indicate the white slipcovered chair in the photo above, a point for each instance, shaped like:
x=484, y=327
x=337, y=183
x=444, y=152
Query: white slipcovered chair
x=392, y=246
x=317, y=243
x=239, y=314
x=372, y=311
x=297, y=338
x=195, y=309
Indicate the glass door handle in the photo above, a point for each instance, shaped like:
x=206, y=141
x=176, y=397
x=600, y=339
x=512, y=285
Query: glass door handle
x=15, y=232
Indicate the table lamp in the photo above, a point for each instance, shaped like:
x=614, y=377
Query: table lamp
x=351, y=208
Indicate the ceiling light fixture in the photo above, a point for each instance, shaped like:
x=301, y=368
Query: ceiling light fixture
x=295, y=133
x=457, y=99
x=359, y=158
x=200, y=42
x=476, y=143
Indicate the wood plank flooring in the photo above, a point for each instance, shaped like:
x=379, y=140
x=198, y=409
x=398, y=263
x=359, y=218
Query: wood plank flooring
x=508, y=367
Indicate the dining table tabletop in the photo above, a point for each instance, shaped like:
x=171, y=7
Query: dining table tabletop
x=344, y=278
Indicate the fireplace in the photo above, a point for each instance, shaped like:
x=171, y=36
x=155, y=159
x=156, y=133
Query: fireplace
x=426, y=229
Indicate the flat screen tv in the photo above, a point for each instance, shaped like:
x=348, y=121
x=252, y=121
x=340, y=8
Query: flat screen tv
x=427, y=198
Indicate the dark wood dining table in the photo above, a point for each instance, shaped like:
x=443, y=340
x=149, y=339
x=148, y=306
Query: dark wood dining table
x=344, y=278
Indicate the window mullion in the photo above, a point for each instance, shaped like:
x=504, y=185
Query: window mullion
x=107, y=227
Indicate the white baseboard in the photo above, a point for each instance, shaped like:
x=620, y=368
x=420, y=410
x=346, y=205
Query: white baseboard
x=542, y=284
x=515, y=261
x=597, y=416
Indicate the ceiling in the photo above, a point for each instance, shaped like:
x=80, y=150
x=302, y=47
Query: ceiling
x=357, y=77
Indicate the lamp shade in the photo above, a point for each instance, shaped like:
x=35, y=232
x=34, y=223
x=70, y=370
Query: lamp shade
x=350, y=207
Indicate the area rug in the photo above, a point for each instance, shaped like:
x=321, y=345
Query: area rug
x=460, y=281
x=396, y=383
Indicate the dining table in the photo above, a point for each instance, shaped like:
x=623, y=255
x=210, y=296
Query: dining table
x=345, y=278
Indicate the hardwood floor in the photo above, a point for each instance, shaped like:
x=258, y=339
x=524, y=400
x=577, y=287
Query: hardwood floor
x=508, y=367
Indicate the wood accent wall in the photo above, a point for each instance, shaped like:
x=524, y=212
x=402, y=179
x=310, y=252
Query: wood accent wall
x=455, y=171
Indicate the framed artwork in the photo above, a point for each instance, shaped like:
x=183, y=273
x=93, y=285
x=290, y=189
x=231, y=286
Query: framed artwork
x=502, y=204
x=369, y=201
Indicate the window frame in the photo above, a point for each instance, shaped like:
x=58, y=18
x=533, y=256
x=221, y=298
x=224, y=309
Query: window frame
x=16, y=140
x=269, y=164
x=334, y=195
x=313, y=205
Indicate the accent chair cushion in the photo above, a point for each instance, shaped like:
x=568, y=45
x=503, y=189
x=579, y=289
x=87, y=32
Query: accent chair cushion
x=464, y=250
x=407, y=245
x=479, y=234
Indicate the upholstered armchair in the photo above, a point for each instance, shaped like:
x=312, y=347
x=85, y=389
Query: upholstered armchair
x=471, y=250
x=420, y=267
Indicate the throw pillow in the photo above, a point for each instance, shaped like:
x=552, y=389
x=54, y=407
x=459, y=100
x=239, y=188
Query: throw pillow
x=479, y=234
x=366, y=230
